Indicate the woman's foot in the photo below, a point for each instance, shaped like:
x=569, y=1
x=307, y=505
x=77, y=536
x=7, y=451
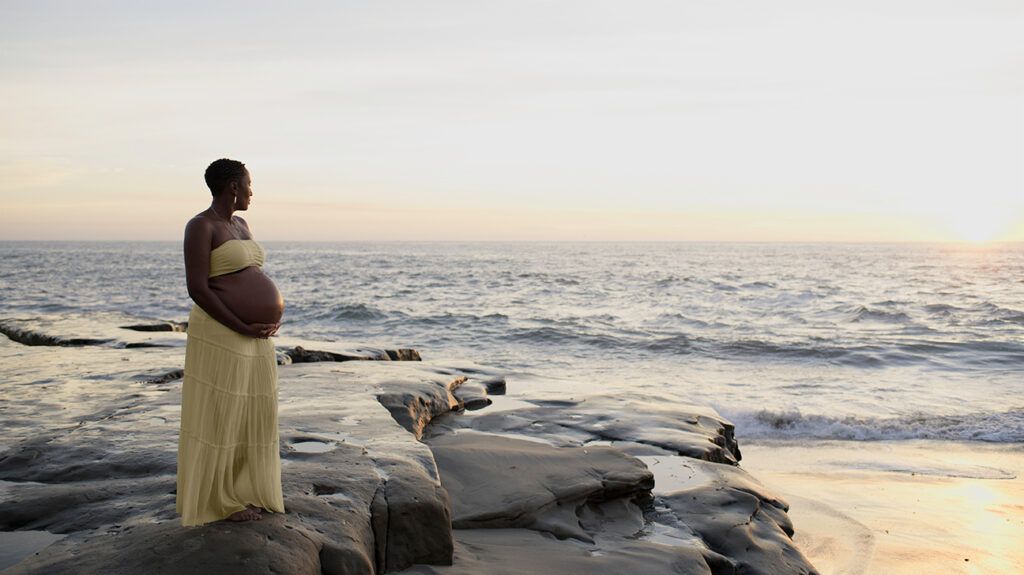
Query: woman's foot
x=247, y=514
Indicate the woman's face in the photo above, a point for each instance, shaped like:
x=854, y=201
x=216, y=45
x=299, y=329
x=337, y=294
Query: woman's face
x=243, y=192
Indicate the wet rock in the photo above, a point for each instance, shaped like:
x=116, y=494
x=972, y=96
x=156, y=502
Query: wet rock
x=689, y=430
x=408, y=508
x=138, y=344
x=299, y=354
x=180, y=326
x=90, y=437
x=17, y=545
x=86, y=329
x=492, y=380
x=508, y=482
x=417, y=525
x=84, y=456
x=472, y=395
x=264, y=546
x=403, y=354
x=738, y=518
x=494, y=385
x=161, y=375
x=97, y=462
x=28, y=336
x=702, y=517
x=69, y=507
x=113, y=329
x=520, y=551
x=414, y=405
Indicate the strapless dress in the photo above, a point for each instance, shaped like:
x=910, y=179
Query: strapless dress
x=228, y=453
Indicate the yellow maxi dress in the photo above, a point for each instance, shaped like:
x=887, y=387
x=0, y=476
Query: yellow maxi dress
x=228, y=446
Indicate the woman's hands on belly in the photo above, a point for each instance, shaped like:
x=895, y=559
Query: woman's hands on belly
x=250, y=295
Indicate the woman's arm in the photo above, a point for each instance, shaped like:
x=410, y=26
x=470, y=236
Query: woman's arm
x=198, y=236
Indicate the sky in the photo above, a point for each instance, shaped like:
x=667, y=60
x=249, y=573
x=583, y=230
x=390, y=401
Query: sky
x=791, y=120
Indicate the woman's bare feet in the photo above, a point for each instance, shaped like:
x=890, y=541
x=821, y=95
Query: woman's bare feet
x=247, y=514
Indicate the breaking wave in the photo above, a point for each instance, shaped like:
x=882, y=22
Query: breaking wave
x=997, y=427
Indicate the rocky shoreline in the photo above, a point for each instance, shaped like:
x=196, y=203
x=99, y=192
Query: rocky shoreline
x=393, y=465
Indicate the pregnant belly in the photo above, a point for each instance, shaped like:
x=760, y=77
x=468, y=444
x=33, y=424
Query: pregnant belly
x=250, y=295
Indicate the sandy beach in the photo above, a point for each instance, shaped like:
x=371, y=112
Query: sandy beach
x=900, y=506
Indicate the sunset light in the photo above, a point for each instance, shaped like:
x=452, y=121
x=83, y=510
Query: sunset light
x=489, y=118
x=982, y=223
x=514, y=287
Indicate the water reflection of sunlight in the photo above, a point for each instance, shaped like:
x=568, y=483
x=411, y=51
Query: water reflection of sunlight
x=980, y=496
x=988, y=519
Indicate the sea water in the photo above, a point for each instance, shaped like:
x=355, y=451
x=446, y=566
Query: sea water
x=828, y=341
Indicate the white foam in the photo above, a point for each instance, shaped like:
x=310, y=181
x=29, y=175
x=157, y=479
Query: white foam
x=997, y=427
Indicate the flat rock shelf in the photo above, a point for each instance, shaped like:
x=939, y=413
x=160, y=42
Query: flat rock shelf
x=395, y=465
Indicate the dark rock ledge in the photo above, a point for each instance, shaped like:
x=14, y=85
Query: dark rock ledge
x=105, y=329
x=383, y=471
x=180, y=326
x=567, y=487
x=299, y=354
x=30, y=337
x=362, y=494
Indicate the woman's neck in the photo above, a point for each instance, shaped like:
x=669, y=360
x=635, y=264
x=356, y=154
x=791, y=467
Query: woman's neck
x=224, y=209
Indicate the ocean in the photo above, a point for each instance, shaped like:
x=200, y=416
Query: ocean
x=856, y=342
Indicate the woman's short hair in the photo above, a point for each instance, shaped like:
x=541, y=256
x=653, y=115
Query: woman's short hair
x=221, y=173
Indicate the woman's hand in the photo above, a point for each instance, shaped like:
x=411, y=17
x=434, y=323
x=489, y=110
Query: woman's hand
x=261, y=330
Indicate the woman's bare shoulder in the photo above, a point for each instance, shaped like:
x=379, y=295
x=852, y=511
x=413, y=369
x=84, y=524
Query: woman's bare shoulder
x=200, y=226
x=199, y=221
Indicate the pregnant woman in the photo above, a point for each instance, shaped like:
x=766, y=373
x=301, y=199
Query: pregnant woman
x=228, y=461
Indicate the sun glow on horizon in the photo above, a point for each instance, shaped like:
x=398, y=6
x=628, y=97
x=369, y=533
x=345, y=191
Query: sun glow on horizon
x=575, y=120
x=980, y=223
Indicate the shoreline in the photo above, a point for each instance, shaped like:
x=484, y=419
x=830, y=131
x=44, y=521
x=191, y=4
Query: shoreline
x=900, y=506
x=93, y=425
